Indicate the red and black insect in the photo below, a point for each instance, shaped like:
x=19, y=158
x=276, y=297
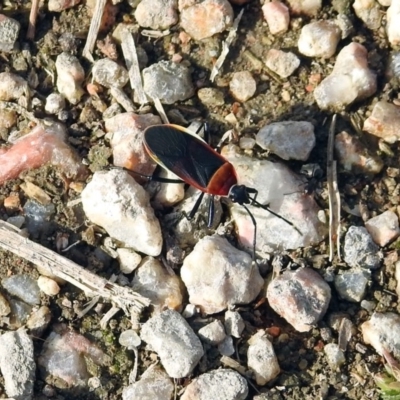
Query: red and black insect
x=196, y=163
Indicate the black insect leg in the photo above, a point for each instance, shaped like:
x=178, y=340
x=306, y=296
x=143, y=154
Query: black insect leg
x=155, y=178
x=211, y=211
x=195, y=207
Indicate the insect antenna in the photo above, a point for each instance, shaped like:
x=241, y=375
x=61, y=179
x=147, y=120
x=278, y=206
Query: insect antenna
x=264, y=207
x=255, y=230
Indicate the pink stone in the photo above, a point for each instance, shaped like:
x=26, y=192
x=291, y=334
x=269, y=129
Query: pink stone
x=383, y=228
x=277, y=16
x=39, y=147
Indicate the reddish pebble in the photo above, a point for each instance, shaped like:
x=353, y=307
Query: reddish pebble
x=39, y=147
x=274, y=331
x=277, y=16
x=206, y=18
x=12, y=203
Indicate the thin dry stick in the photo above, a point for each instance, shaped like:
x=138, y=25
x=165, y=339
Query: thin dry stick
x=124, y=297
x=334, y=195
x=30, y=35
x=225, y=46
x=132, y=63
x=94, y=29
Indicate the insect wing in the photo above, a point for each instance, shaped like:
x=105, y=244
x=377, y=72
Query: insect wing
x=188, y=157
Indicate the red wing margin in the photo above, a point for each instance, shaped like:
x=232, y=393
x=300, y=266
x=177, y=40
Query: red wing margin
x=188, y=157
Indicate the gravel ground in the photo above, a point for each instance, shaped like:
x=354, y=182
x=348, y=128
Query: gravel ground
x=305, y=372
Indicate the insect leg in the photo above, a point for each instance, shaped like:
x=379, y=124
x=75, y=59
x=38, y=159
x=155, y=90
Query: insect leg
x=211, y=211
x=195, y=208
x=155, y=178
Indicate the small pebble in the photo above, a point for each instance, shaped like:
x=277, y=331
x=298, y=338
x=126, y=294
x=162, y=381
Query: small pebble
x=246, y=143
x=218, y=384
x=384, y=121
x=226, y=347
x=354, y=156
x=129, y=339
x=55, y=103
x=334, y=356
x=8, y=119
x=369, y=12
x=9, y=31
x=392, y=24
x=226, y=278
x=70, y=76
x=154, y=281
x=368, y=305
x=17, y=364
x=345, y=24
x=12, y=203
x=204, y=19
x=167, y=194
x=153, y=384
x=301, y=297
x=319, y=39
x=20, y=313
x=306, y=7
x=234, y=324
x=352, y=284
x=290, y=140
x=242, y=85
x=48, y=286
x=157, y=14
x=60, y=5
x=113, y=200
x=39, y=321
x=381, y=331
x=283, y=63
x=108, y=73
x=261, y=359
x=211, y=97
x=4, y=306
x=277, y=16
x=213, y=333
x=12, y=87
x=383, y=228
x=360, y=250
x=128, y=259
x=189, y=311
x=24, y=287
x=176, y=82
x=351, y=79
x=171, y=337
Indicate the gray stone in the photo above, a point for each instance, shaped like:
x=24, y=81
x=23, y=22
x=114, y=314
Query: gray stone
x=352, y=284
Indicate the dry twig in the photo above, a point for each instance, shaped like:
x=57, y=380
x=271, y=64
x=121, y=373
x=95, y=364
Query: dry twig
x=94, y=29
x=334, y=195
x=124, y=297
x=30, y=35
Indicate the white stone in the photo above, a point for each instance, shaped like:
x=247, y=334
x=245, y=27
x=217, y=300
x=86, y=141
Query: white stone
x=383, y=228
x=334, y=355
x=109, y=73
x=171, y=337
x=48, y=286
x=283, y=191
x=213, y=333
x=54, y=103
x=163, y=288
x=234, y=324
x=218, y=384
x=290, y=140
x=369, y=12
x=121, y=206
x=277, y=16
x=381, y=331
x=218, y=275
x=261, y=359
x=351, y=79
x=168, y=194
x=385, y=3
x=70, y=76
x=307, y=7
x=226, y=347
x=12, y=87
x=384, y=122
x=153, y=384
x=319, y=39
x=157, y=14
x=283, y=63
x=301, y=297
x=128, y=259
x=242, y=86
x=17, y=364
